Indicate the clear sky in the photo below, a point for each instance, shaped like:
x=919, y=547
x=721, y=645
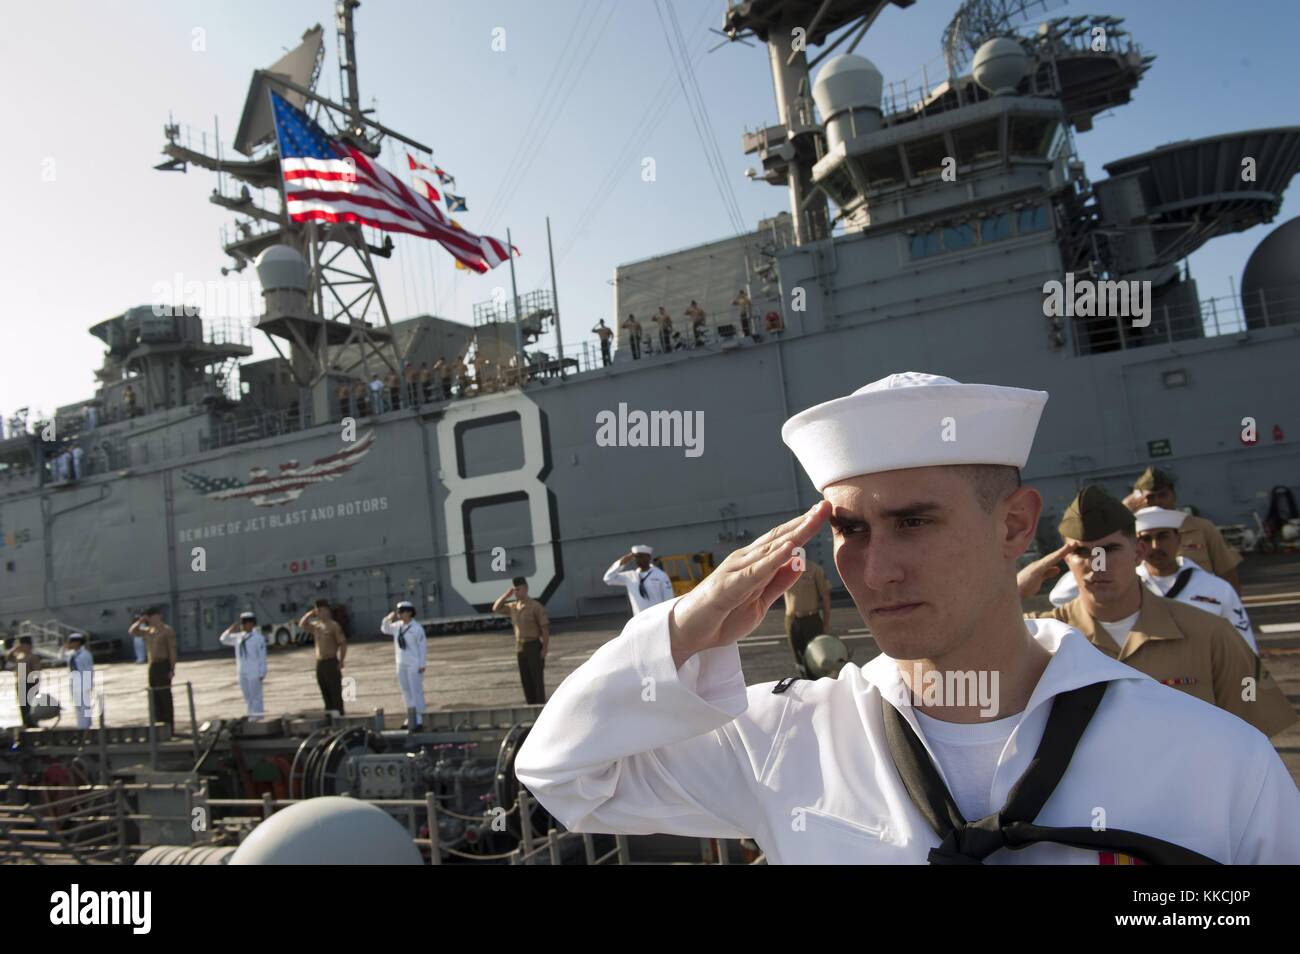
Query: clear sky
x=557, y=124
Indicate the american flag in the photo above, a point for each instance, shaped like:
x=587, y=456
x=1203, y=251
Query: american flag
x=325, y=179
x=266, y=490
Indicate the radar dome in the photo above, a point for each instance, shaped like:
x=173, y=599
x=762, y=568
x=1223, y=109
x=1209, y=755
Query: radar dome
x=1270, y=285
x=281, y=266
x=329, y=831
x=999, y=65
x=848, y=86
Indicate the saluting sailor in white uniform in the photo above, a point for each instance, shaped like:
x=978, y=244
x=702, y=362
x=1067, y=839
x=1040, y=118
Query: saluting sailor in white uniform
x=412, y=653
x=927, y=532
x=250, y=660
x=81, y=679
x=647, y=585
x=1166, y=573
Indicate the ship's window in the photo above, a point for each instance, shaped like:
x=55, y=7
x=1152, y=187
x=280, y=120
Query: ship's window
x=839, y=186
x=1032, y=220
x=995, y=227
x=1031, y=135
x=958, y=237
x=883, y=168
x=925, y=156
x=977, y=142
x=925, y=244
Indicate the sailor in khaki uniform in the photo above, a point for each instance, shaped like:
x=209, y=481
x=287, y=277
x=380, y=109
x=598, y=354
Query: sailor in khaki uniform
x=1167, y=574
x=658, y=733
x=532, y=637
x=1178, y=646
x=807, y=610
x=1201, y=540
x=160, y=651
x=331, y=649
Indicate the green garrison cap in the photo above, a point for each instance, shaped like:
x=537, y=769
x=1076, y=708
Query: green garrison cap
x=1095, y=514
x=1153, y=478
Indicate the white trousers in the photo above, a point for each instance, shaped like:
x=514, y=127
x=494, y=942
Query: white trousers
x=251, y=686
x=81, y=686
x=139, y=649
x=412, y=685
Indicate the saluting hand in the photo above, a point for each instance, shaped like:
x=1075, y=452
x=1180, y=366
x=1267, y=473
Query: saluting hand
x=732, y=600
x=1030, y=580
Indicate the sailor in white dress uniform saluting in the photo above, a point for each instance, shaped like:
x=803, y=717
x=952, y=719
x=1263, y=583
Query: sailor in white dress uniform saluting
x=1166, y=573
x=411, y=647
x=250, y=660
x=647, y=585
x=888, y=762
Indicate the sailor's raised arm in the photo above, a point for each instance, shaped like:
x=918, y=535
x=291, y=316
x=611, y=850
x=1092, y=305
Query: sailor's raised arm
x=628, y=744
x=231, y=636
x=645, y=736
x=613, y=576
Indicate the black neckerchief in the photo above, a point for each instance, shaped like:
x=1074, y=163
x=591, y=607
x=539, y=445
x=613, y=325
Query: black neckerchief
x=969, y=843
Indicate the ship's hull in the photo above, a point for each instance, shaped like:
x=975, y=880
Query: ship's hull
x=444, y=503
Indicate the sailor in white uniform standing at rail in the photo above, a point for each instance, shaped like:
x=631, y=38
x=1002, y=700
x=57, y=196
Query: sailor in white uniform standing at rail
x=81, y=679
x=920, y=476
x=250, y=660
x=412, y=652
x=1166, y=573
x=647, y=585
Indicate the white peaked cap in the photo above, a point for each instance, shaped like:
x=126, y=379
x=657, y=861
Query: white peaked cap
x=642, y=548
x=1158, y=518
x=900, y=421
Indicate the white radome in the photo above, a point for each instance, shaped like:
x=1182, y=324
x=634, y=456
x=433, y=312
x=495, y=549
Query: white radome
x=329, y=831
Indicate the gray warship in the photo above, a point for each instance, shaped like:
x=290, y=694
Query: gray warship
x=925, y=228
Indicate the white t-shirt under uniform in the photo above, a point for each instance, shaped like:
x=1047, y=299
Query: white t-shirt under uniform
x=968, y=758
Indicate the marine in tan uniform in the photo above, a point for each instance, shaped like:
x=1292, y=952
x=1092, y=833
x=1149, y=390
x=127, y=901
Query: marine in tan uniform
x=633, y=329
x=344, y=394
x=393, y=382
x=696, y=314
x=22, y=659
x=1175, y=644
x=606, y=334
x=1201, y=541
x=807, y=610
x=160, y=650
x=426, y=382
x=532, y=637
x=331, y=648
x=359, y=392
x=745, y=307
x=442, y=371
x=665, y=323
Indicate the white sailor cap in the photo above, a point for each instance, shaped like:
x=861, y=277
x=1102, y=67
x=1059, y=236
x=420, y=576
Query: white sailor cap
x=80, y=637
x=1158, y=518
x=406, y=605
x=642, y=548
x=911, y=419
x=248, y=615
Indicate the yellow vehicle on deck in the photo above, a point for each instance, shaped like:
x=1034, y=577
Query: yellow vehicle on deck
x=686, y=570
